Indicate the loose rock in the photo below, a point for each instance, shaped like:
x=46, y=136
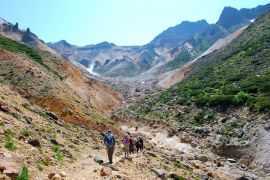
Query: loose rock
x=203, y=158
x=105, y=171
x=98, y=159
x=34, y=142
x=231, y=160
x=159, y=172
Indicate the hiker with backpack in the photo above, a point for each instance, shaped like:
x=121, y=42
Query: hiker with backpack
x=141, y=143
x=138, y=144
x=131, y=144
x=109, y=140
x=125, y=142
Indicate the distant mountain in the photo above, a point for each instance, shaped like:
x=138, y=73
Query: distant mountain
x=166, y=52
x=236, y=76
x=173, y=36
x=231, y=18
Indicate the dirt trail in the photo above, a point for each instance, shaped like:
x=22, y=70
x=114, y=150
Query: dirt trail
x=86, y=168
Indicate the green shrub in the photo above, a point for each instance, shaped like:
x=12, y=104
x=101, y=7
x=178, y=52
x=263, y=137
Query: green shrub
x=10, y=145
x=181, y=166
x=224, y=100
x=26, y=133
x=2, y=123
x=10, y=133
x=179, y=178
x=230, y=89
x=57, y=152
x=229, y=128
x=240, y=98
x=263, y=103
x=24, y=175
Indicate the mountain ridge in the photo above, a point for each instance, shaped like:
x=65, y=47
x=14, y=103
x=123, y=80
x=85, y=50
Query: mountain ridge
x=167, y=50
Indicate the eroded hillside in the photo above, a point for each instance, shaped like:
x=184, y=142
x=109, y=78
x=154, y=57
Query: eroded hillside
x=55, y=84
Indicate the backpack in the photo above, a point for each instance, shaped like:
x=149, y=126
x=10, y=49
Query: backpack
x=109, y=139
x=125, y=140
x=138, y=143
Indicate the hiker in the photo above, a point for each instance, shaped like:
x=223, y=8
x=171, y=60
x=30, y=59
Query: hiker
x=141, y=143
x=109, y=140
x=125, y=142
x=131, y=145
x=138, y=144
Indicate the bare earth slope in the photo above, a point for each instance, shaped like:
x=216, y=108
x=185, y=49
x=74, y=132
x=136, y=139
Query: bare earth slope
x=176, y=76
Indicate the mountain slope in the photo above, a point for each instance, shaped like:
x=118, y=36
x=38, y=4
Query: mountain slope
x=235, y=76
x=224, y=100
x=176, y=76
x=54, y=84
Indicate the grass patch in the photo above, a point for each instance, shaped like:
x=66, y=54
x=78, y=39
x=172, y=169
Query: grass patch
x=10, y=145
x=26, y=133
x=2, y=123
x=229, y=128
x=10, y=133
x=178, y=164
x=58, y=155
x=177, y=177
x=24, y=175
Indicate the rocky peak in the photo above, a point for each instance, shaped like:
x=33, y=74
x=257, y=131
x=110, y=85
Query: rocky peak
x=27, y=36
x=231, y=18
x=173, y=36
x=105, y=44
x=63, y=43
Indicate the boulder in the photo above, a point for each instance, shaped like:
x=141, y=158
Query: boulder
x=53, y=141
x=267, y=127
x=243, y=178
x=63, y=174
x=266, y=168
x=56, y=177
x=51, y=175
x=34, y=142
x=203, y=158
x=159, y=172
x=204, y=177
x=28, y=120
x=174, y=176
x=11, y=166
x=193, y=144
x=231, y=160
x=105, y=171
x=240, y=133
x=171, y=132
x=224, y=119
x=98, y=160
x=52, y=115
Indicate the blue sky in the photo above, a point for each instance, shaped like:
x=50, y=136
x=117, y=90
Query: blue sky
x=123, y=22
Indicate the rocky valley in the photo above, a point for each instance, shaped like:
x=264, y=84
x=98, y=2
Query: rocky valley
x=198, y=94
